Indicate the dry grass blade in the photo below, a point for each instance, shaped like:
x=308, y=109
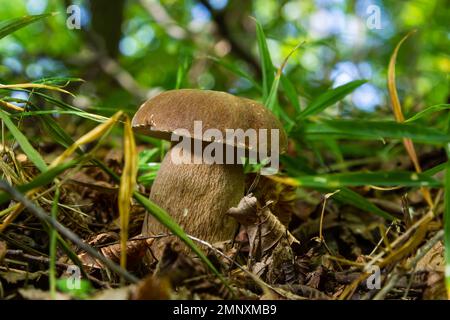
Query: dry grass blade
x=10, y=106
x=399, y=117
x=92, y=135
x=42, y=215
x=127, y=186
x=34, y=86
x=407, y=242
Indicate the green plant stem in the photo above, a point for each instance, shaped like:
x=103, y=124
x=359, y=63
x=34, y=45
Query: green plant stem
x=53, y=238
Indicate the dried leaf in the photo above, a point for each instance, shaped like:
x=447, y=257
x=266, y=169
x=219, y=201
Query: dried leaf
x=152, y=288
x=433, y=260
x=135, y=248
x=264, y=229
x=123, y=293
x=37, y=294
x=14, y=275
x=177, y=266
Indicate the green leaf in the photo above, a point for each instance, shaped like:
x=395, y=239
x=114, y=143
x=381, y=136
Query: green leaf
x=268, y=74
x=183, y=68
x=291, y=93
x=296, y=167
x=79, y=289
x=52, y=246
x=363, y=129
x=351, y=197
x=329, y=98
x=61, y=81
x=26, y=146
x=428, y=111
x=82, y=114
x=9, y=26
x=436, y=169
x=148, y=178
x=354, y=179
x=271, y=101
x=56, y=102
x=236, y=70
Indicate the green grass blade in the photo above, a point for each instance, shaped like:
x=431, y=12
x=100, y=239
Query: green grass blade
x=363, y=129
x=163, y=217
x=348, y=196
x=81, y=114
x=58, y=81
x=55, y=131
x=9, y=26
x=355, y=179
x=436, y=169
x=329, y=98
x=291, y=93
x=56, y=102
x=353, y=198
x=26, y=146
x=236, y=70
x=53, y=241
x=428, y=111
x=183, y=69
x=271, y=101
x=268, y=71
x=42, y=179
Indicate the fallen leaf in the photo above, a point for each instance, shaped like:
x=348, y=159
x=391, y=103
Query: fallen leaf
x=37, y=294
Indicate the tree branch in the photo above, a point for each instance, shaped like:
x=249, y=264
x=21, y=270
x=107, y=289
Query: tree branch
x=224, y=31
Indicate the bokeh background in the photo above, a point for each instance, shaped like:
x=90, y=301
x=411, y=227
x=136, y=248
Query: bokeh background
x=127, y=51
x=346, y=148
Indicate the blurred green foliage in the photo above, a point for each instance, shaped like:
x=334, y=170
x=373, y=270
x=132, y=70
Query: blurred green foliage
x=331, y=95
x=156, y=37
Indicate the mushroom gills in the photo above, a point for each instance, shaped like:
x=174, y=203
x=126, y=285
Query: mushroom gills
x=197, y=196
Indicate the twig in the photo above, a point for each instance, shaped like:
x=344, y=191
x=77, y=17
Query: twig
x=425, y=248
x=225, y=32
x=172, y=28
x=17, y=254
x=159, y=13
x=387, y=288
x=112, y=68
x=265, y=286
x=396, y=276
x=42, y=215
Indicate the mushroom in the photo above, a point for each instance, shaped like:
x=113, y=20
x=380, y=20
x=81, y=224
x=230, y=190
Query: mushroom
x=197, y=195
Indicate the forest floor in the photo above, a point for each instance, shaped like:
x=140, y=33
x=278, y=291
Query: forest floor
x=301, y=244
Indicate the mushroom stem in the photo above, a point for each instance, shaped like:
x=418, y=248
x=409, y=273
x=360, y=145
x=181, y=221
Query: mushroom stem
x=197, y=196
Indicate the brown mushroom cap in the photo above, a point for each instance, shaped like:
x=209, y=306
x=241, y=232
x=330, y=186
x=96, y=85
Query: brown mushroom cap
x=171, y=110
